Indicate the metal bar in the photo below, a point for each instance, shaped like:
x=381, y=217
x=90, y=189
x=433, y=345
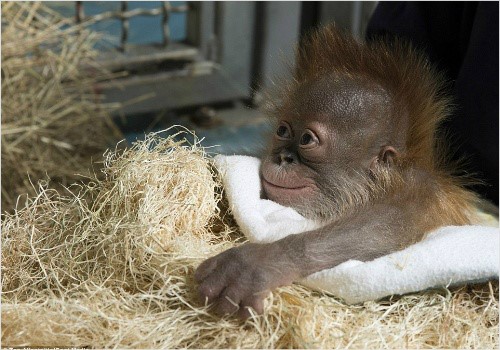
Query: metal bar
x=166, y=8
x=125, y=26
x=79, y=14
x=137, y=12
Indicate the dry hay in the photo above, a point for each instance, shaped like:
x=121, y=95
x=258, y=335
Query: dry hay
x=110, y=264
x=52, y=120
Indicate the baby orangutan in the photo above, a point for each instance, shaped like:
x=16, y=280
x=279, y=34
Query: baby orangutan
x=355, y=147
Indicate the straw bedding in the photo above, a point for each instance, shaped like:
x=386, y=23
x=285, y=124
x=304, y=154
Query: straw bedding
x=52, y=120
x=110, y=264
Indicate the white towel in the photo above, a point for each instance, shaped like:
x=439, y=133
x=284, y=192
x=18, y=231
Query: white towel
x=448, y=256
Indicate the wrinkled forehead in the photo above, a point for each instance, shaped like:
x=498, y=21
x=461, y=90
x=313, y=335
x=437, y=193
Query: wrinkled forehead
x=340, y=100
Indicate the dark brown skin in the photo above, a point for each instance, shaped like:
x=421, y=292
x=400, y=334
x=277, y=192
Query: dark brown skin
x=348, y=151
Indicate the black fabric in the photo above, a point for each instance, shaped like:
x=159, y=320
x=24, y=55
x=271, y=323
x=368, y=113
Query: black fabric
x=461, y=38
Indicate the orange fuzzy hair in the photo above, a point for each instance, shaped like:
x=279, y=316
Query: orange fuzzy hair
x=413, y=83
x=418, y=92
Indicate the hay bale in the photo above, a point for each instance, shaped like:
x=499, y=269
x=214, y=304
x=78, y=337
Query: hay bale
x=52, y=120
x=155, y=198
x=110, y=264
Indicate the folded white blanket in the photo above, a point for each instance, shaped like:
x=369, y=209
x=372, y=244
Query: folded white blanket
x=448, y=256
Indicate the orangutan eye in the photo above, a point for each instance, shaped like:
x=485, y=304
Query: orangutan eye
x=308, y=140
x=283, y=131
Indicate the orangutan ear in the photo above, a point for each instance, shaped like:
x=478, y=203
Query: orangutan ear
x=387, y=156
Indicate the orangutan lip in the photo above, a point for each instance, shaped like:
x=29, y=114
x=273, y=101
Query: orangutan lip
x=281, y=187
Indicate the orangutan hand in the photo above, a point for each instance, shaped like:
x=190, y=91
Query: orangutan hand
x=241, y=277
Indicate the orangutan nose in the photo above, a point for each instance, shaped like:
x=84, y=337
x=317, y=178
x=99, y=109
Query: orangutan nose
x=287, y=157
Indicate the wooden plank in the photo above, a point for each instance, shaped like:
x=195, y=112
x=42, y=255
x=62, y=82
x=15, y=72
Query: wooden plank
x=136, y=55
x=279, y=23
x=201, y=27
x=236, y=40
x=159, y=92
